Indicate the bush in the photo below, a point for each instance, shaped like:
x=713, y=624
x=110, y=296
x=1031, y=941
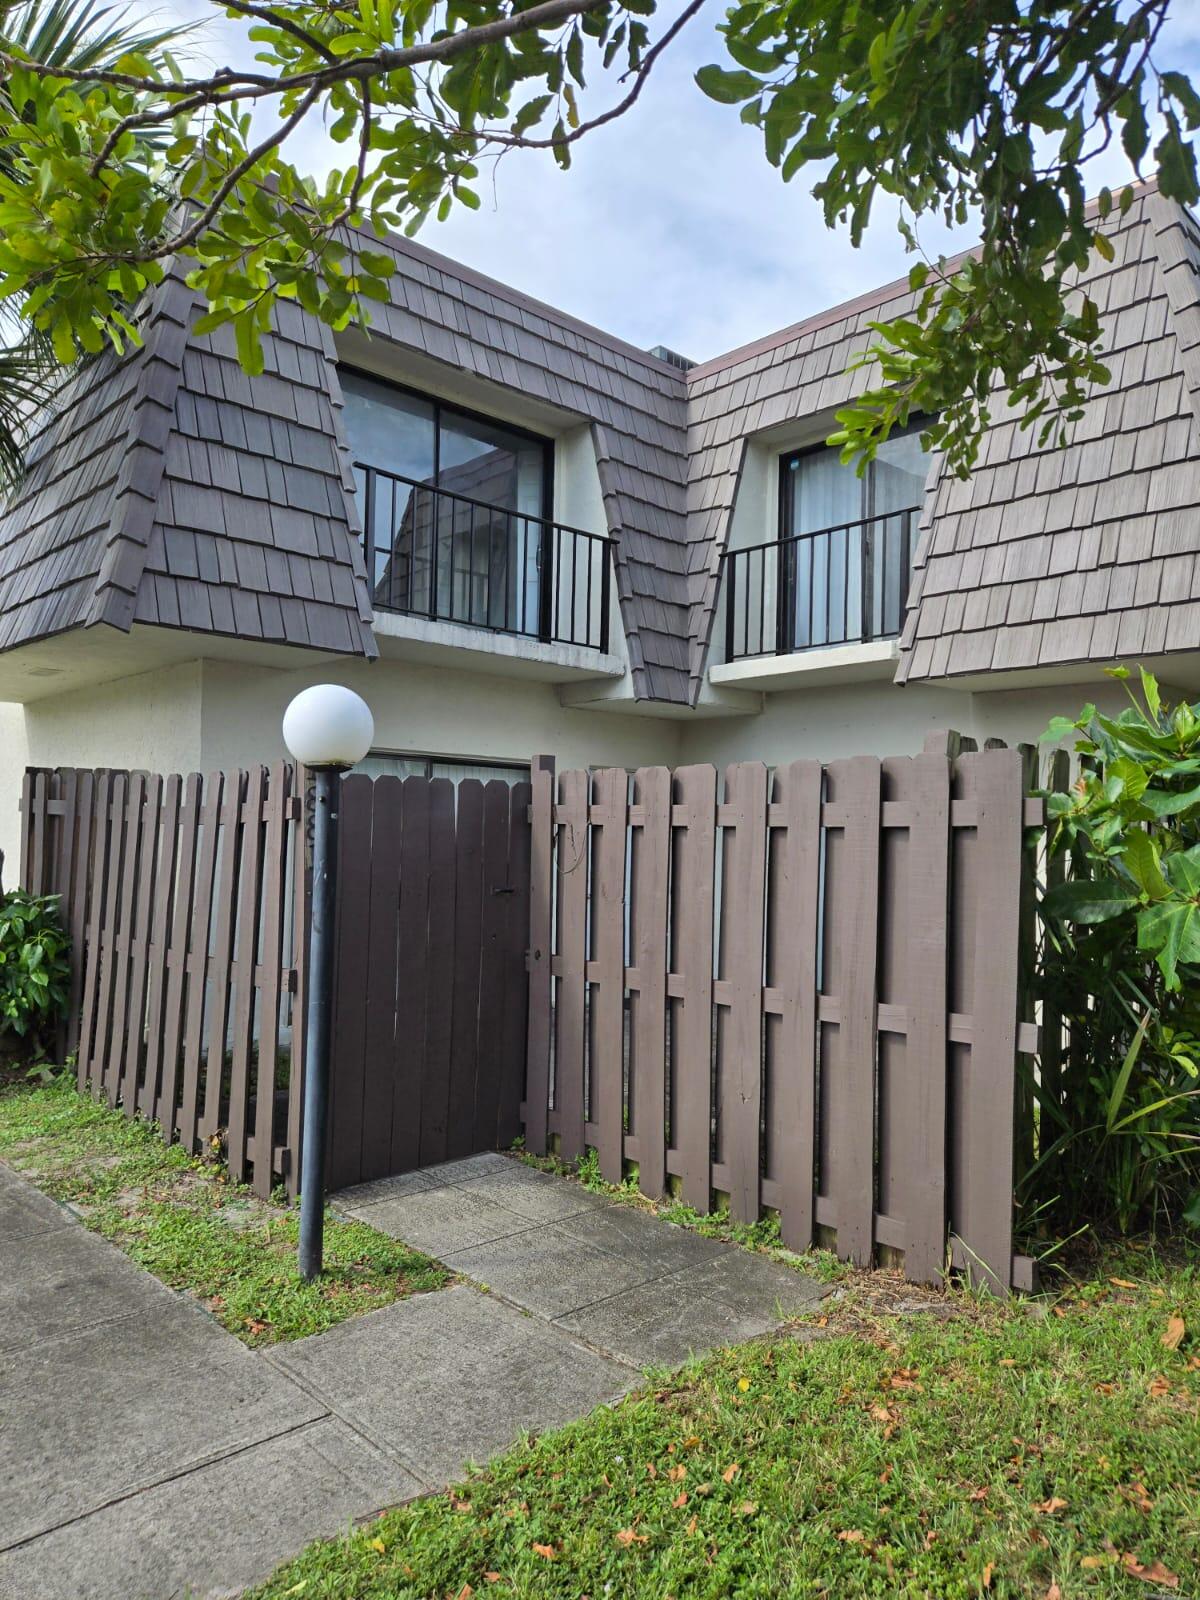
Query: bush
x=1120, y=1132
x=34, y=966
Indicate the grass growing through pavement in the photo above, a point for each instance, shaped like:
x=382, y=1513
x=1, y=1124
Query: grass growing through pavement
x=762, y=1235
x=181, y=1220
x=1049, y=1451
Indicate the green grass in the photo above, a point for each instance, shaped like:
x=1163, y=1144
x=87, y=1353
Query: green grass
x=181, y=1220
x=999, y=1452
x=762, y=1235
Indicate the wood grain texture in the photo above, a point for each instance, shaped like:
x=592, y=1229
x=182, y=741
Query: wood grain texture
x=609, y=800
x=650, y=927
x=740, y=1058
x=572, y=865
x=541, y=889
x=695, y=790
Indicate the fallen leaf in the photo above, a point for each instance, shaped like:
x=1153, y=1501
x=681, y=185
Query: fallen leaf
x=986, y=1580
x=1123, y=1283
x=692, y=1442
x=1138, y=1495
x=1053, y=1593
x=743, y=1384
x=546, y=1551
x=459, y=1505
x=1159, y=1387
x=1173, y=1338
x=931, y=1538
x=465, y=1592
x=886, y=1475
x=1051, y=1507
x=378, y=1544
x=1091, y=1563
x=256, y=1325
x=692, y=1525
x=747, y=1508
x=493, y=1577
x=651, y=1470
x=979, y=1494
x=731, y=1472
x=676, y=1473
x=1154, y=1573
x=1105, y=1388
x=851, y=1536
x=680, y=1500
x=704, y=1488
x=1007, y=1361
x=628, y=1536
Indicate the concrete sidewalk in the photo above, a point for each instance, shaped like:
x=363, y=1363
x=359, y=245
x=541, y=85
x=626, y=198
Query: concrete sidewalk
x=148, y=1454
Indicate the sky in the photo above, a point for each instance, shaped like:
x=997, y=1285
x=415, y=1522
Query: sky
x=670, y=227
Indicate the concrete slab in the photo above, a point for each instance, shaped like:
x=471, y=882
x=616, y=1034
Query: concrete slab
x=549, y=1271
x=752, y=1285
x=449, y=1378
x=60, y=1280
x=24, y=1209
x=661, y=1324
x=99, y=1414
x=444, y=1220
x=538, y=1196
x=213, y=1532
x=638, y=1236
x=465, y=1168
x=369, y=1194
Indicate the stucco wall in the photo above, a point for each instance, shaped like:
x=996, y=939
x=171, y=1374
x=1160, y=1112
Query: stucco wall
x=881, y=719
x=13, y=761
x=431, y=711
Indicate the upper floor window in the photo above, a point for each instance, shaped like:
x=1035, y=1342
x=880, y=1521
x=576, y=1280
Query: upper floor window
x=837, y=571
x=453, y=507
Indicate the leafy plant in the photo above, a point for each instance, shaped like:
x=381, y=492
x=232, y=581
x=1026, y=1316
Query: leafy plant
x=34, y=966
x=1120, y=1122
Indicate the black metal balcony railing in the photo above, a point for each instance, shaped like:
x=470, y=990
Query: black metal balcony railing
x=432, y=553
x=838, y=585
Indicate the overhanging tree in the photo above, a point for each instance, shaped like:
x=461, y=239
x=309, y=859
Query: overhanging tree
x=986, y=114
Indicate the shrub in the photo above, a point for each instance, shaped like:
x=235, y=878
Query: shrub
x=34, y=967
x=1120, y=1134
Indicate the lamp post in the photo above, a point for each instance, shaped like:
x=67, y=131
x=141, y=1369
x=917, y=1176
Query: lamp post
x=327, y=728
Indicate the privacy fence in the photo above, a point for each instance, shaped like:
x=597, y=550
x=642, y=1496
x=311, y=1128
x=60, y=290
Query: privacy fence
x=180, y=897
x=798, y=990
x=801, y=990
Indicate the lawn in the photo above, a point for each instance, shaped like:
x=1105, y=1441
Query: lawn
x=1048, y=1449
x=183, y=1221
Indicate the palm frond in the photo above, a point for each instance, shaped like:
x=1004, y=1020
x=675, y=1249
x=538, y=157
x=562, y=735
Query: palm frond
x=80, y=33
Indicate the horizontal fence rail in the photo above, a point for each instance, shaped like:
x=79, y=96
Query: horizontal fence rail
x=452, y=558
x=795, y=990
x=839, y=585
x=183, y=899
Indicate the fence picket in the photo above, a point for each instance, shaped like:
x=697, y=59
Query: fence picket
x=408, y=1101
x=740, y=1054
x=794, y=902
x=607, y=1002
x=515, y=982
x=439, y=1007
x=274, y=874
x=489, y=1030
x=381, y=1043
x=78, y=905
x=245, y=960
x=984, y=1221
x=649, y=930
x=193, y=949
x=89, y=1021
x=468, y=932
x=572, y=864
x=541, y=982
x=159, y=1064
x=692, y=943
x=347, y=1066
x=233, y=802
x=848, y=1046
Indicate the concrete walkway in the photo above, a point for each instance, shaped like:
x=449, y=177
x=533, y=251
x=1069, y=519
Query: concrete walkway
x=146, y=1454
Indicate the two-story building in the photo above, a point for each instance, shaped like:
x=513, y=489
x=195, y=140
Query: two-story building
x=512, y=532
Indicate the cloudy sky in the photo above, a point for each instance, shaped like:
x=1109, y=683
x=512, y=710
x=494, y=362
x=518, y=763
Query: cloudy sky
x=671, y=228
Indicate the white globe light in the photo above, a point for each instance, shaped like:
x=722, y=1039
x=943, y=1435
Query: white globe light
x=328, y=726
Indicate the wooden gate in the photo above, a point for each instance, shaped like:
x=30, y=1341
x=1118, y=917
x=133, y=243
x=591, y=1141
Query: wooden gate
x=799, y=993
x=429, y=1014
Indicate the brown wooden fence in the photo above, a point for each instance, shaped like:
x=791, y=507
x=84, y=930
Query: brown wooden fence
x=430, y=995
x=185, y=982
x=801, y=992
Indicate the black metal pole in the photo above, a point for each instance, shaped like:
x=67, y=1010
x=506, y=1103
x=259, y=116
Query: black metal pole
x=317, y=1022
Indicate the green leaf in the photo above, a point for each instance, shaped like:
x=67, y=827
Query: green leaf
x=1140, y=856
x=730, y=88
x=1121, y=1082
x=1089, y=900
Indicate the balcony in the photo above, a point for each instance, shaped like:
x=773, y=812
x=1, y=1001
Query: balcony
x=842, y=585
x=445, y=557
